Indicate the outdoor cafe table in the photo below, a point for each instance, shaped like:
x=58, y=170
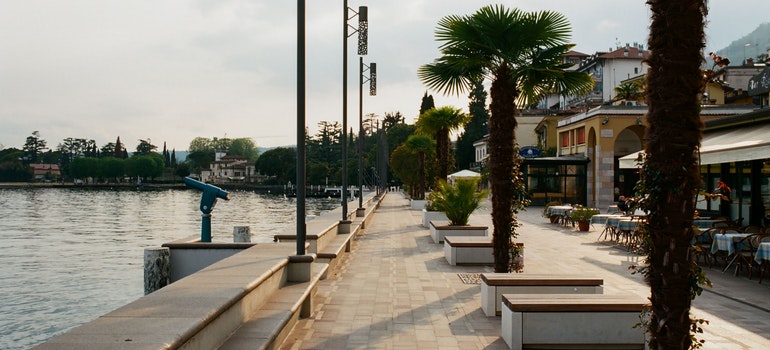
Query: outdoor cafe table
x=705, y=223
x=601, y=219
x=763, y=253
x=726, y=242
x=560, y=211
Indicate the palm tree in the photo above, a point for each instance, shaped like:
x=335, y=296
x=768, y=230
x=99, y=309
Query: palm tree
x=670, y=173
x=522, y=54
x=439, y=123
x=420, y=145
x=629, y=91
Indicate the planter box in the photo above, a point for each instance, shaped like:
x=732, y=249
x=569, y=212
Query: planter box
x=441, y=229
x=418, y=204
x=428, y=216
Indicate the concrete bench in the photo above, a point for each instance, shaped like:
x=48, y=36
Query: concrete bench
x=275, y=319
x=573, y=321
x=468, y=250
x=330, y=254
x=494, y=285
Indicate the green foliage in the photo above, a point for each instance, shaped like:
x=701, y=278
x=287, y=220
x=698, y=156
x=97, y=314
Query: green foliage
x=12, y=169
x=458, y=201
x=279, y=162
x=582, y=214
x=182, y=170
x=475, y=129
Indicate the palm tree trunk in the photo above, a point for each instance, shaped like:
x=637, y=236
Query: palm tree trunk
x=671, y=172
x=502, y=128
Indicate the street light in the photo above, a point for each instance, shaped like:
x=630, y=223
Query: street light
x=363, y=32
x=301, y=180
x=372, y=79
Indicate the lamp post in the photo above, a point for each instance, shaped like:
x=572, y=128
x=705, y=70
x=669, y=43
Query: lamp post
x=301, y=226
x=363, y=32
x=372, y=79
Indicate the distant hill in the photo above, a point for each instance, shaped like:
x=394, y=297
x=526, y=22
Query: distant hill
x=758, y=40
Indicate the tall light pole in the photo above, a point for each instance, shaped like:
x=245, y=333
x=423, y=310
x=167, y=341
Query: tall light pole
x=301, y=180
x=372, y=79
x=363, y=32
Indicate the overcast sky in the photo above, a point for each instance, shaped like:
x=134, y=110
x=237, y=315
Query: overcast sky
x=173, y=70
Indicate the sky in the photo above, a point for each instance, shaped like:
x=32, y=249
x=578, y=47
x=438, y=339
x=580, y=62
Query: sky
x=172, y=70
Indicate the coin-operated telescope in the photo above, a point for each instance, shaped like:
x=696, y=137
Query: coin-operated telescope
x=208, y=200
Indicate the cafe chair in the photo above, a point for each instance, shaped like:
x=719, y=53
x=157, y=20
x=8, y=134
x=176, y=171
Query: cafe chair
x=744, y=253
x=703, y=242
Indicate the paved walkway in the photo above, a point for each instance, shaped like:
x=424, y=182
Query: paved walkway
x=396, y=291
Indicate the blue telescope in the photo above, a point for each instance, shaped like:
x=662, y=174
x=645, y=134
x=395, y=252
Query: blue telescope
x=208, y=200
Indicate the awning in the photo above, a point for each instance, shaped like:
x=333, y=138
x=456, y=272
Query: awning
x=725, y=146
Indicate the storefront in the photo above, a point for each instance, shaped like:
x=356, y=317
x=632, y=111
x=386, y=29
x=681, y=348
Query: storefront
x=561, y=179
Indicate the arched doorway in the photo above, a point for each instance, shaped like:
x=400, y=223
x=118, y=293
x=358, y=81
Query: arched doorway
x=628, y=141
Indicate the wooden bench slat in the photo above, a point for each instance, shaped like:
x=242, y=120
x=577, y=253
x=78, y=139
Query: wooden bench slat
x=573, y=302
x=468, y=241
x=508, y=279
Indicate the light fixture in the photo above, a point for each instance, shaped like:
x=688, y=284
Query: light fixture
x=606, y=120
x=638, y=120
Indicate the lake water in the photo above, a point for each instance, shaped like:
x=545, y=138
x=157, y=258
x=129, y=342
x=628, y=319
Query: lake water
x=68, y=256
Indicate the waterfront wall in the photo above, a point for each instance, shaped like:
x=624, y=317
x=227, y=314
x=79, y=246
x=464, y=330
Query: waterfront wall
x=203, y=309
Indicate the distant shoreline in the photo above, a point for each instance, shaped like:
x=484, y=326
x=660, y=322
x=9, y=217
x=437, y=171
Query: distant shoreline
x=268, y=189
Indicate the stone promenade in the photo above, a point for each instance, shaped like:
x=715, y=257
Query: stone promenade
x=396, y=290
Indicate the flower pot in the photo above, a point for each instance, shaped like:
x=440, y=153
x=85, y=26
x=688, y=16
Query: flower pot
x=584, y=225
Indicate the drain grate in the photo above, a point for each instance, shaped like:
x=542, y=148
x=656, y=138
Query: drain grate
x=470, y=278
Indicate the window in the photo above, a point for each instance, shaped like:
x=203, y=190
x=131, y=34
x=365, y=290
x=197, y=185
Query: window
x=565, y=139
x=581, y=136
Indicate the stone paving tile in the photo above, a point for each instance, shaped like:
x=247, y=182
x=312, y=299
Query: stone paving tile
x=396, y=291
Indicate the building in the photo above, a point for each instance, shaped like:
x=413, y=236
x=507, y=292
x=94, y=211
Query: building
x=42, y=172
x=227, y=168
x=605, y=134
x=608, y=69
x=736, y=151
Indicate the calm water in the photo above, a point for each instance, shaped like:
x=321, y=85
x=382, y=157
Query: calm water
x=68, y=256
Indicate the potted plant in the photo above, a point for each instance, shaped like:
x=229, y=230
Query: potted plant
x=430, y=213
x=457, y=202
x=582, y=216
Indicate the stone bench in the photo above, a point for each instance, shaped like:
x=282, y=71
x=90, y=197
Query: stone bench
x=339, y=245
x=273, y=322
x=494, y=285
x=468, y=250
x=573, y=321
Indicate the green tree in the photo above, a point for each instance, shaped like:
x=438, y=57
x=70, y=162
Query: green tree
x=145, y=147
x=244, y=147
x=427, y=103
x=182, y=170
x=628, y=91
x=439, y=123
x=670, y=175
x=392, y=119
x=421, y=146
x=403, y=161
x=279, y=162
x=111, y=168
x=12, y=169
x=145, y=166
x=476, y=129
x=84, y=168
x=522, y=54
x=33, y=148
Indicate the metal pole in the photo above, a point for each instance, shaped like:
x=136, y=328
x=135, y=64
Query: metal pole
x=345, y=110
x=301, y=180
x=360, y=132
